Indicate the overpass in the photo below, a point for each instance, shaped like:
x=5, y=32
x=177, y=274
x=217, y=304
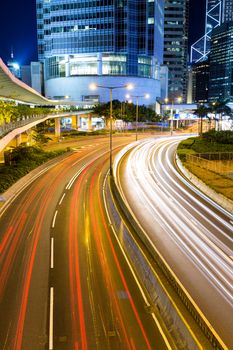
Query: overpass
x=17, y=132
x=13, y=89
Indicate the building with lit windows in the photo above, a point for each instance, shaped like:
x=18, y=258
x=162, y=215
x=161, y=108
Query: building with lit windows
x=109, y=42
x=221, y=63
x=200, y=81
x=176, y=46
x=217, y=12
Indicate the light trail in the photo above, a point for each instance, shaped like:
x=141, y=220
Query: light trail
x=170, y=211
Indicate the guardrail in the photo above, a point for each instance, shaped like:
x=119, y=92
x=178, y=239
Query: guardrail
x=7, y=127
x=204, y=326
x=218, y=162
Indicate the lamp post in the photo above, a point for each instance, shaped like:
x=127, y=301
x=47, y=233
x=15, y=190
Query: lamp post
x=137, y=108
x=179, y=99
x=110, y=88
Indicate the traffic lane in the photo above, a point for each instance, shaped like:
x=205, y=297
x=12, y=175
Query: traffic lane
x=199, y=286
x=153, y=334
x=216, y=220
x=147, y=325
x=16, y=268
x=104, y=320
x=166, y=197
x=14, y=249
x=20, y=258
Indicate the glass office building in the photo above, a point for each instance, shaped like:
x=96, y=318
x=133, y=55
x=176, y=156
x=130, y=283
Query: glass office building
x=227, y=10
x=107, y=42
x=221, y=63
x=176, y=15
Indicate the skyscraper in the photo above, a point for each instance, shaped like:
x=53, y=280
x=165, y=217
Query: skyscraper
x=221, y=63
x=176, y=46
x=217, y=12
x=227, y=11
x=108, y=42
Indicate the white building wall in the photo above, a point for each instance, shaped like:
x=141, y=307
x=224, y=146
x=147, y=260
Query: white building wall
x=37, y=76
x=78, y=88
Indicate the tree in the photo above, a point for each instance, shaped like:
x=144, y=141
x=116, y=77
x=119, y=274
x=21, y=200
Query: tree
x=202, y=112
x=6, y=111
x=126, y=111
x=41, y=139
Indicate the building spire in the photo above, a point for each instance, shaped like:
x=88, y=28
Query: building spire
x=12, y=53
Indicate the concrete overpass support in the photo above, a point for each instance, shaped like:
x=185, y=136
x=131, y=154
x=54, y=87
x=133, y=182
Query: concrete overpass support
x=74, y=121
x=89, y=124
x=78, y=121
x=57, y=127
x=18, y=139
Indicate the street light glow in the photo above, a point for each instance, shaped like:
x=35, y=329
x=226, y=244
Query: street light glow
x=137, y=109
x=94, y=86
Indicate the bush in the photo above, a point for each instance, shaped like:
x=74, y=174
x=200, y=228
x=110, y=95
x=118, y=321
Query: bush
x=22, y=160
x=223, y=137
x=183, y=152
x=204, y=145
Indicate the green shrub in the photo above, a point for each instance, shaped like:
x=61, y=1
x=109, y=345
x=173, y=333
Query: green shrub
x=182, y=152
x=22, y=160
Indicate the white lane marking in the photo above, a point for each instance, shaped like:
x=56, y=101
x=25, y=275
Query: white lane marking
x=61, y=200
x=52, y=254
x=54, y=219
x=76, y=175
x=51, y=319
x=231, y=222
x=132, y=269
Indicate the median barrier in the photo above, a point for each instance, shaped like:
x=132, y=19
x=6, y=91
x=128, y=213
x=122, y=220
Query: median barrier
x=172, y=317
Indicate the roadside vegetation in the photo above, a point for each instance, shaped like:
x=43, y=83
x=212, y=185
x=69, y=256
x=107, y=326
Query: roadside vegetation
x=10, y=112
x=209, y=142
x=19, y=161
x=127, y=112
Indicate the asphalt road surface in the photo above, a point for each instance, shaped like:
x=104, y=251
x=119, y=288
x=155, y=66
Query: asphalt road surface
x=64, y=283
x=193, y=234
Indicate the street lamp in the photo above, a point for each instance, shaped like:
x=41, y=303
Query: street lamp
x=94, y=86
x=137, y=109
x=179, y=99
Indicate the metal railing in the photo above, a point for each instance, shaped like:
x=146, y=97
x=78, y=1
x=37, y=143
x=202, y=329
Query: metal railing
x=221, y=162
x=7, y=127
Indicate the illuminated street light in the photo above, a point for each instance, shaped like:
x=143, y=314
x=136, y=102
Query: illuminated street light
x=137, y=97
x=94, y=86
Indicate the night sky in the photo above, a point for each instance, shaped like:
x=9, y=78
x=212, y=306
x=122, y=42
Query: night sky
x=18, y=28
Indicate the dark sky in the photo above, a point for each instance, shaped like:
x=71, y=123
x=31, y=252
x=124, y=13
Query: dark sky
x=18, y=28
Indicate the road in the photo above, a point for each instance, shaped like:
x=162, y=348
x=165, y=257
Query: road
x=193, y=234
x=64, y=283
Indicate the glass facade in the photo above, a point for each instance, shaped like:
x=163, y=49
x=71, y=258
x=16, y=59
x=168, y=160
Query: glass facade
x=107, y=37
x=221, y=63
x=227, y=6
x=176, y=46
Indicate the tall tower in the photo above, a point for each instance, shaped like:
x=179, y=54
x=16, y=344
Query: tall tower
x=217, y=12
x=81, y=41
x=227, y=10
x=176, y=15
